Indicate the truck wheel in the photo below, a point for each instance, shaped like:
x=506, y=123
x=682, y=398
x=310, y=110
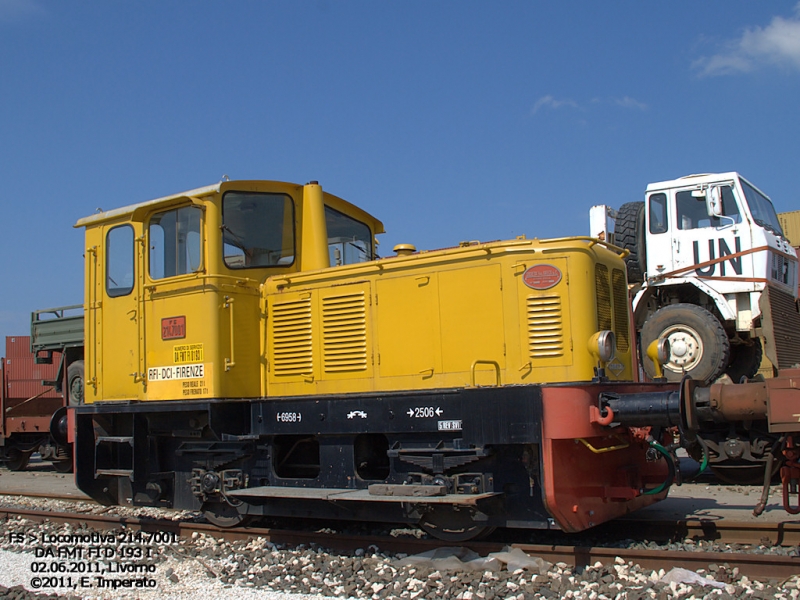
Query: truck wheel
x=629, y=234
x=75, y=383
x=699, y=346
x=745, y=360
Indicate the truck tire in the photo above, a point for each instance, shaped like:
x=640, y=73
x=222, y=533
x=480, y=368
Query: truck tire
x=699, y=346
x=745, y=360
x=75, y=383
x=629, y=234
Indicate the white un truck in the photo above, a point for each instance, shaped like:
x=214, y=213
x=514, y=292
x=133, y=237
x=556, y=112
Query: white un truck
x=711, y=270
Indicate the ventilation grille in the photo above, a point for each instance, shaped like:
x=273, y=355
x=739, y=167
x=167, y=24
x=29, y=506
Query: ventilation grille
x=291, y=338
x=344, y=333
x=779, y=269
x=603, y=297
x=786, y=324
x=545, y=327
x=620, y=289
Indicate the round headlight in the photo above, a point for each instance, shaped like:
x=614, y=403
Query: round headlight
x=603, y=345
x=663, y=351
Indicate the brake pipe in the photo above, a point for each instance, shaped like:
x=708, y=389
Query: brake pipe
x=670, y=465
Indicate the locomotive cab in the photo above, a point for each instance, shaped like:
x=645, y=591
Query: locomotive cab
x=173, y=299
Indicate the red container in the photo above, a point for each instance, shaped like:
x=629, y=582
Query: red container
x=18, y=346
x=28, y=388
x=24, y=368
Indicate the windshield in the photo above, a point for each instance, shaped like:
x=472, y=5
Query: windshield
x=257, y=230
x=761, y=208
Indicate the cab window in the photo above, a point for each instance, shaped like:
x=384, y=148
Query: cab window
x=349, y=241
x=119, y=261
x=692, y=213
x=658, y=213
x=174, y=239
x=257, y=230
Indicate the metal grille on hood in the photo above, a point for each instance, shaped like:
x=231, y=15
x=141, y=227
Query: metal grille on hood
x=545, y=327
x=344, y=333
x=290, y=332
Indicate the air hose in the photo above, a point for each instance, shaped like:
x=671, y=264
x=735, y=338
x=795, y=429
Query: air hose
x=671, y=465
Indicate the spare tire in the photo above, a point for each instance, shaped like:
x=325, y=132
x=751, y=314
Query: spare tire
x=629, y=234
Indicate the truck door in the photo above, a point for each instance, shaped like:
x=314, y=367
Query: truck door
x=698, y=238
x=657, y=235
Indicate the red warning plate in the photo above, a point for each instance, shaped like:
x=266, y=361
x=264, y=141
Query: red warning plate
x=541, y=277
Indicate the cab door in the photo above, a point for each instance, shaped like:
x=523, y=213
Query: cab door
x=704, y=241
x=658, y=238
x=118, y=358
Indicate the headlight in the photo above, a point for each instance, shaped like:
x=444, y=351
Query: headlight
x=659, y=352
x=603, y=345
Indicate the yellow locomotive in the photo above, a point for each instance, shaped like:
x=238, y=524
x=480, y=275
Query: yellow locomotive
x=247, y=353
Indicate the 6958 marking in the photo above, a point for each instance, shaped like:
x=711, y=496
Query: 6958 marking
x=289, y=417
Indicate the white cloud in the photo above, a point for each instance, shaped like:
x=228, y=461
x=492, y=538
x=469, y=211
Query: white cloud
x=550, y=102
x=776, y=44
x=16, y=9
x=628, y=102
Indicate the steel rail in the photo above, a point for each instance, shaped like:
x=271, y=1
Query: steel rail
x=755, y=566
x=765, y=533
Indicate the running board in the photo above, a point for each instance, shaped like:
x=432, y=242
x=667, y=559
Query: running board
x=337, y=494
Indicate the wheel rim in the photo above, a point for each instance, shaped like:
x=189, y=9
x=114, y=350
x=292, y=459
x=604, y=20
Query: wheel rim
x=686, y=348
x=76, y=389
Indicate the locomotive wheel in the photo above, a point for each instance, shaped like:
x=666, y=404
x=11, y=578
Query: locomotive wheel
x=63, y=466
x=224, y=515
x=450, y=525
x=17, y=460
x=699, y=346
x=742, y=472
x=745, y=360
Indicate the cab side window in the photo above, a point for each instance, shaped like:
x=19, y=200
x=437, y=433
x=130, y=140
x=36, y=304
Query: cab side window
x=658, y=213
x=119, y=261
x=174, y=240
x=349, y=241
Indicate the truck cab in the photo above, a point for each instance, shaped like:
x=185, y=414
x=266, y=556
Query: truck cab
x=714, y=273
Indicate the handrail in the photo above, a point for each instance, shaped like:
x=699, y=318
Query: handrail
x=230, y=362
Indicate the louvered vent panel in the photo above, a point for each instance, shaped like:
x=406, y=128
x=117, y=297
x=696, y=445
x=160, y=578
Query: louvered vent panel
x=603, y=297
x=545, y=327
x=291, y=338
x=786, y=324
x=344, y=333
x=620, y=289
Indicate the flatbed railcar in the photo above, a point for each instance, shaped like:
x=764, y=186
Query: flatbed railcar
x=29, y=397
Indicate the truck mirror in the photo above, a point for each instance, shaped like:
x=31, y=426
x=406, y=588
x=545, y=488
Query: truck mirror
x=714, y=201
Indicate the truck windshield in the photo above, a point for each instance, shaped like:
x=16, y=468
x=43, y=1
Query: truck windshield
x=761, y=208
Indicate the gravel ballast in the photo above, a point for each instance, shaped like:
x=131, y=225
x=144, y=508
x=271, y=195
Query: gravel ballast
x=204, y=566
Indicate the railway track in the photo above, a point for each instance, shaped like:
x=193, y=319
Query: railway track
x=726, y=531
x=755, y=566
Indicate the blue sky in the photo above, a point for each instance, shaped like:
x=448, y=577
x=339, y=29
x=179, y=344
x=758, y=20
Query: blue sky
x=448, y=120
